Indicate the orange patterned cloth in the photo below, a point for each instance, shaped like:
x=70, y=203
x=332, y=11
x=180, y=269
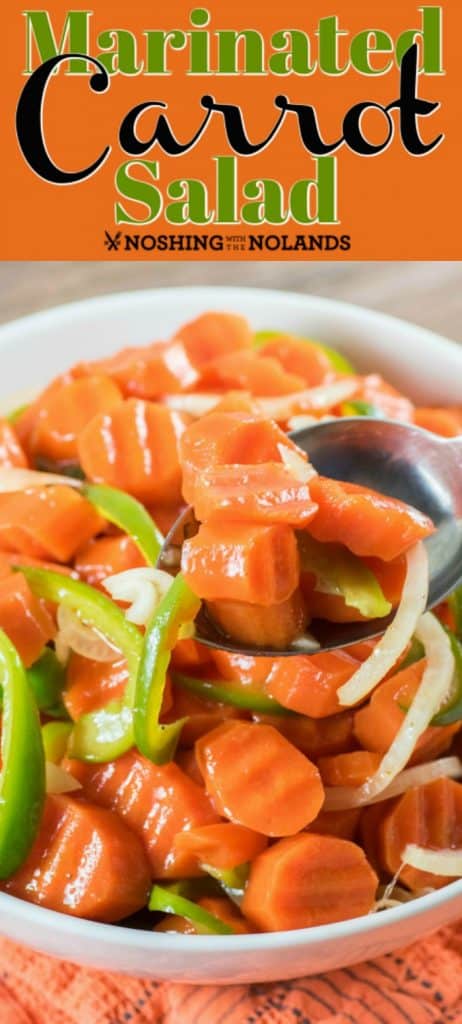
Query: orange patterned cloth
x=419, y=985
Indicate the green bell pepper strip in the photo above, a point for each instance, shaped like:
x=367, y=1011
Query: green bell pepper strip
x=105, y=734
x=452, y=710
x=340, y=572
x=22, y=776
x=167, y=902
x=232, y=882
x=236, y=695
x=47, y=678
x=55, y=737
x=129, y=515
x=337, y=360
x=158, y=742
x=360, y=408
x=455, y=604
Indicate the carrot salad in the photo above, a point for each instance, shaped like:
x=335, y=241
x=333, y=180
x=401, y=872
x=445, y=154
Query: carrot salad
x=153, y=780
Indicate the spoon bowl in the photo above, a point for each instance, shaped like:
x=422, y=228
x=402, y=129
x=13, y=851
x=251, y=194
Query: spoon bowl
x=396, y=459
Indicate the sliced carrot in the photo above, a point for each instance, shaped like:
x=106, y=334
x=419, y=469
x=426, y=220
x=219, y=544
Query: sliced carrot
x=368, y=523
x=390, y=575
x=242, y=562
x=302, y=357
x=214, y=334
x=147, y=371
x=309, y=683
x=241, y=668
x=24, y=618
x=105, y=557
x=155, y=801
x=165, y=516
x=430, y=816
x=219, y=906
x=49, y=523
x=445, y=613
x=135, y=448
x=308, y=880
x=266, y=493
x=201, y=715
x=258, y=779
x=315, y=737
x=352, y=769
x=92, y=684
x=275, y=626
x=187, y=761
x=224, y=438
x=343, y=824
x=361, y=650
x=445, y=422
x=25, y=422
x=251, y=372
x=370, y=822
x=190, y=657
x=376, y=391
x=377, y=723
x=11, y=453
x=225, y=911
x=223, y=846
x=66, y=412
x=84, y=862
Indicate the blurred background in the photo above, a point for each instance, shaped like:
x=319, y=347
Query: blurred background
x=427, y=293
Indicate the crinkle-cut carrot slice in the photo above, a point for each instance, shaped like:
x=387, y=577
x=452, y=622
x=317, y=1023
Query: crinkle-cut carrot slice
x=256, y=778
x=155, y=801
x=11, y=453
x=343, y=824
x=135, y=448
x=214, y=334
x=377, y=723
x=302, y=357
x=107, y=556
x=147, y=371
x=84, y=862
x=308, y=880
x=351, y=769
x=447, y=422
x=25, y=422
x=65, y=413
x=252, y=372
x=48, y=523
x=242, y=562
x=92, y=684
x=309, y=683
x=24, y=618
x=367, y=523
x=276, y=625
x=224, y=845
x=202, y=715
x=224, y=438
x=376, y=391
x=242, y=668
x=430, y=816
x=266, y=493
x=315, y=737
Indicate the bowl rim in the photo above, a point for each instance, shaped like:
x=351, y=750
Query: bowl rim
x=115, y=935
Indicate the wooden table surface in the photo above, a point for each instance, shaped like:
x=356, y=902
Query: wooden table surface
x=426, y=293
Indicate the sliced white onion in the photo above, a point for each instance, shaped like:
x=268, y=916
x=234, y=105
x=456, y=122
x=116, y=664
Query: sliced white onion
x=398, y=635
x=278, y=407
x=433, y=690
x=60, y=781
x=283, y=407
x=75, y=635
x=15, y=479
x=337, y=797
x=300, y=469
x=436, y=862
x=143, y=589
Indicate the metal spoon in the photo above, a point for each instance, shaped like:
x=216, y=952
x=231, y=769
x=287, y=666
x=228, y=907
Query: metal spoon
x=393, y=458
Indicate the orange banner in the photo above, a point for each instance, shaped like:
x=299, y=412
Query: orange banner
x=237, y=131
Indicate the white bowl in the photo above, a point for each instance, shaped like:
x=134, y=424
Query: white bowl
x=429, y=368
